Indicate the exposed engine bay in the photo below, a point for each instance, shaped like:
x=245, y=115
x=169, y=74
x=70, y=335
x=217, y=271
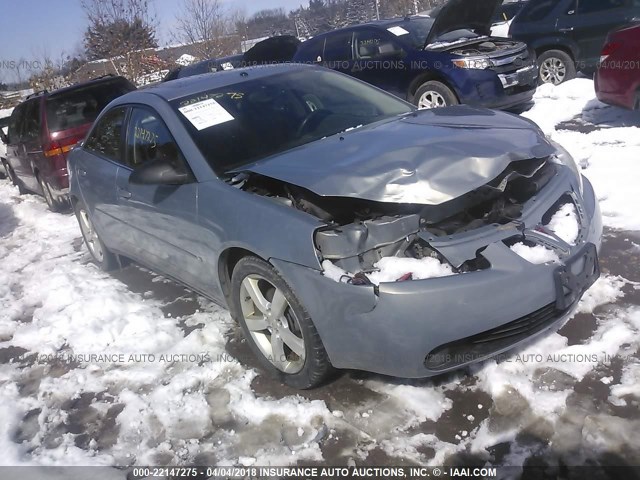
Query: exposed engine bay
x=359, y=233
x=492, y=46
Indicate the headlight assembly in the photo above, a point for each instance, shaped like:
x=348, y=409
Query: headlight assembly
x=477, y=63
x=563, y=157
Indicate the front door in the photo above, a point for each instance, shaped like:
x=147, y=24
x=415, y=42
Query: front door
x=588, y=22
x=161, y=220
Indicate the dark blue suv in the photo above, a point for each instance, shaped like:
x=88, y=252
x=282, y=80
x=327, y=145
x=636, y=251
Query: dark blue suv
x=433, y=61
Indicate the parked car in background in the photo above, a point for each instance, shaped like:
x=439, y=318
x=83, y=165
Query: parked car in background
x=46, y=126
x=433, y=62
x=4, y=128
x=340, y=225
x=568, y=35
x=278, y=49
x=504, y=16
x=617, y=79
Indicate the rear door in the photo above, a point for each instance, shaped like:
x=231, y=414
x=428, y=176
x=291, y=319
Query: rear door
x=588, y=22
x=338, y=52
x=160, y=220
x=96, y=168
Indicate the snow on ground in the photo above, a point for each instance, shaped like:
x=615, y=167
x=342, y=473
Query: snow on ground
x=156, y=385
x=184, y=398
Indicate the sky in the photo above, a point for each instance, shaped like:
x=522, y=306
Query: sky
x=29, y=29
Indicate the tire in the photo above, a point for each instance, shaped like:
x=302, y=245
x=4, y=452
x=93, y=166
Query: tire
x=53, y=204
x=16, y=182
x=101, y=255
x=434, y=94
x=300, y=359
x=556, y=67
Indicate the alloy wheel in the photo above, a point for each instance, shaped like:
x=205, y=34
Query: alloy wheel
x=90, y=236
x=431, y=99
x=272, y=323
x=553, y=70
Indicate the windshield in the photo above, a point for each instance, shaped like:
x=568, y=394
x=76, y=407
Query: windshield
x=418, y=28
x=242, y=123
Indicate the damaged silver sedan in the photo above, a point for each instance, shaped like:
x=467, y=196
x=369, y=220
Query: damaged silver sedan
x=340, y=226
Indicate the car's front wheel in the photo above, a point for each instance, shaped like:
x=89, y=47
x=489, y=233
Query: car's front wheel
x=101, y=255
x=434, y=94
x=556, y=67
x=279, y=330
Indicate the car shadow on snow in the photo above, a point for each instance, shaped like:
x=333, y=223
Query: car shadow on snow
x=8, y=221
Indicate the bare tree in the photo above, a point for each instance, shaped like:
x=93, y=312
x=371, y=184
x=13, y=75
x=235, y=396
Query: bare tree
x=121, y=31
x=208, y=25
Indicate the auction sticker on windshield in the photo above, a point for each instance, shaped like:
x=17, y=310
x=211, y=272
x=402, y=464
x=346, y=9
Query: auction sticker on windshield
x=206, y=114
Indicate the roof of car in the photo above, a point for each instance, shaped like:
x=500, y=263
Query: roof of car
x=70, y=88
x=183, y=87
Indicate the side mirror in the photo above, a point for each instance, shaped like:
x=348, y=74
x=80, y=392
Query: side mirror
x=4, y=137
x=160, y=172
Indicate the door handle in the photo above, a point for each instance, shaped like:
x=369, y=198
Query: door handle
x=569, y=29
x=125, y=194
x=82, y=173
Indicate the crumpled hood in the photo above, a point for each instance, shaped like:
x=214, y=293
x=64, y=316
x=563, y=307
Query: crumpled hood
x=429, y=157
x=455, y=15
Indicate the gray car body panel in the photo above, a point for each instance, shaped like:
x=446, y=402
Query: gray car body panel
x=392, y=332
x=437, y=155
x=386, y=329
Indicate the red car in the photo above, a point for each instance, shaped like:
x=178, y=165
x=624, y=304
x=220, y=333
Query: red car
x=45, y=127
x=618, y=75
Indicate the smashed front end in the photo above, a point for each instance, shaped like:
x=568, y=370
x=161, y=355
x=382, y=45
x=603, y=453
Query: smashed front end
x=414, y=290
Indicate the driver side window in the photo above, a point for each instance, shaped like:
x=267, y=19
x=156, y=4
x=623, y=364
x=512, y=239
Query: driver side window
x=374, y=45
x=149, y=140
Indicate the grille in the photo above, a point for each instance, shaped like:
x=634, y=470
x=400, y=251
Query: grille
x=483, y=344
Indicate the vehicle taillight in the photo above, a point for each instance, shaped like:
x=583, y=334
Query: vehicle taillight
x=608, y=49
x=61, y=147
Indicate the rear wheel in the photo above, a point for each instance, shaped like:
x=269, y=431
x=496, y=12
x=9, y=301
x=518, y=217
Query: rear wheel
x=54, y=205
x=434, y=94
x=100, y=253
x=14, y=179
x=279, y=330
x=556, y=67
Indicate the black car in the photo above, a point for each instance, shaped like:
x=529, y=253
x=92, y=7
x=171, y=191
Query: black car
x=568, y=35
x=433, y=61
x=279, y=49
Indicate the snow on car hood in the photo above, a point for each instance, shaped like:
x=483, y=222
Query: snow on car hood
x=455, y=15
x=429, y=157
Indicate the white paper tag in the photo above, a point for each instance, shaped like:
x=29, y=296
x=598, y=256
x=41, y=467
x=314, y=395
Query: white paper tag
x=206, y=114
x=398, y=31
x=227, y=66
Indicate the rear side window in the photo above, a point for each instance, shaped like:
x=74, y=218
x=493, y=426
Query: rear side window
x=16, y=122
x=591, y=6
x=31, y=126
x=106, y=137
x=81, y=106
x=149, y=140
x=338, y=47
x=536, y=11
